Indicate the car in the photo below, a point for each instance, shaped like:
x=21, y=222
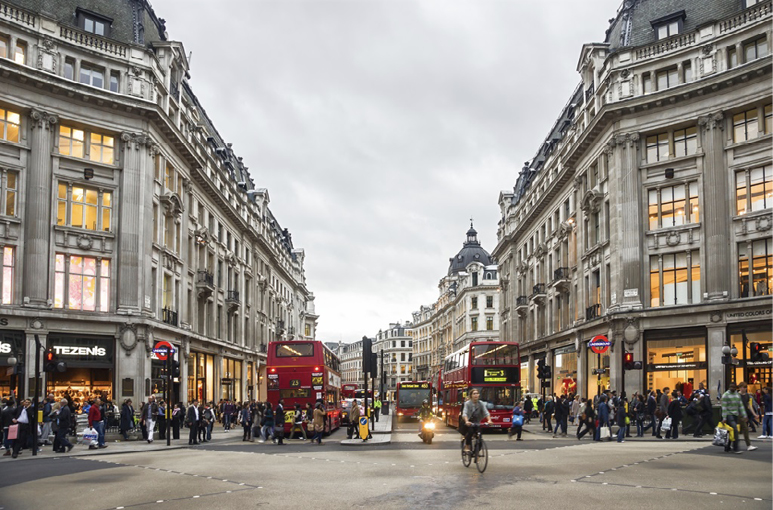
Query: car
x=346, y=409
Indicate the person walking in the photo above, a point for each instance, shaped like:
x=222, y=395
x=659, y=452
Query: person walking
x=46, y=432
x=528, y=407
x=177, y=414
x=127, y=419
x=279, y=422
x=603, y=413
x=268, y=424
x=550, y=407
x=662, y=409
x=748, y=416
x=639, y=411
x=354, y=420
x=192, y=421
x=96, y=422
x=22, y=418
x=298, y=419
x=148, y=418
x=318, y=422
x=651, y=408
x=208, y=421
x=6, y=417
x=517, y=423
x=732, y=411
x=63, y=417
x=377, y=408
x=228, y=411
x=246, y=418
x=620, y=415
x=161, y=420
x=588, y=418
x=674, y=411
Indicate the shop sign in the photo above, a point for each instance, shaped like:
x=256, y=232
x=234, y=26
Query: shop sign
x=83, y=351
x=749, y=314
x=657, y=367
x=599, y=344
x=5, y=348
x=66, y=350
x=765, y=363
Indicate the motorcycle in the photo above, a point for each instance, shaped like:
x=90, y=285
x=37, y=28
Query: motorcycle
x=427, y=431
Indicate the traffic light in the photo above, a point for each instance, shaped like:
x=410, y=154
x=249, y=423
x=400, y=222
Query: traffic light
x=628, y=361
x=175, y=369
x=52, y=363
x=547, y=372
x=541, y=369
x=367, y=358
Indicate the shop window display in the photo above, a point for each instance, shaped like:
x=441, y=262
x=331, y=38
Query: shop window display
x=596, y=384
x=756, y=374
x=565, y=372
x=676, y=363
x=82, y=385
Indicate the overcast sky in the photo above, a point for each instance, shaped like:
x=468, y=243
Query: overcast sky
x=381, y=127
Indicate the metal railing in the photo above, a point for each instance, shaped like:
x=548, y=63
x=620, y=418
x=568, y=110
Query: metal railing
x=169, y=316
x=538, y=289
x=232, y=295
x=521, y=301
x=562, y=273
x=205, y=277
x=593, y=312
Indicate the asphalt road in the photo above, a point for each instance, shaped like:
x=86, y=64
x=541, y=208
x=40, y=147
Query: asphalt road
x=538, y=472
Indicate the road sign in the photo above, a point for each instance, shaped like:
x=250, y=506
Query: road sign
x=599, y=344
x=363, y=427
x=163, y=348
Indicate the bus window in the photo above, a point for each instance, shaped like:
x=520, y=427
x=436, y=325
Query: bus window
x=294, y=393
x=492, y=354
x=498, y=398
x=294, y=350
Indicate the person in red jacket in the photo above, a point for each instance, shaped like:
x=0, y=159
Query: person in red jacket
x=97, y=422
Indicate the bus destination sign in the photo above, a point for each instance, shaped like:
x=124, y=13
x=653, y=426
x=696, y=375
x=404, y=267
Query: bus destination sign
x=415, y=386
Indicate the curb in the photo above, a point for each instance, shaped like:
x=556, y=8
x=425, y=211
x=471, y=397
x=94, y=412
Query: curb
x=359, y=442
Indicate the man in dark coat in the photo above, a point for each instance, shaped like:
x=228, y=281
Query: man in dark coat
x=64, y=418
x=7, y=419
x=192, y=421
x=127, y=419
x=22, y=417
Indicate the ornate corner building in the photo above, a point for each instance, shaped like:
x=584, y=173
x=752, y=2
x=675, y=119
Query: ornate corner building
x=126, y=219
x=645, y=215
x=466, y=310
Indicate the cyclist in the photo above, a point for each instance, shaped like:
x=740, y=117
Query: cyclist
x=425, y=414
x=474, y=412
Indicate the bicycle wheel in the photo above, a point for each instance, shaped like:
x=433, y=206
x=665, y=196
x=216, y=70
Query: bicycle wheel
x=482, y=456
x=466, y=456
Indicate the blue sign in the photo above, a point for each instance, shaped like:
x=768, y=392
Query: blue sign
x=363, y=421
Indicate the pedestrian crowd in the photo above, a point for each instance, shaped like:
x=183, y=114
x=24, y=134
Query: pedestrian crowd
x=659, y=412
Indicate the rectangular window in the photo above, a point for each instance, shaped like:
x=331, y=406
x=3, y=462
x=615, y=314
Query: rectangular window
x=756, y=268
x=169, y=177
x=687, y=72
x=20, y=53
x=82, y=283
x=69, y=68
x=94, y=26
x=9, y=125
x=647, y=83
x=82, y=207
x=745, y=126
x=114, y=79
x=667, y=78
x=489, y=301
x=92, y=76
x=101, y=148
x=768, y=119
x=7, y=276
x=474, y=304
x=4, y=45
x=657, y=148
x=673, y=206
x=732, y=58
x=668, y=29
x=489, y=323
x=754, y=190
x=755, y=49
x=670, y=282
x=685, y=142
x=473, y=324
x=11, y=188
x=71, y=141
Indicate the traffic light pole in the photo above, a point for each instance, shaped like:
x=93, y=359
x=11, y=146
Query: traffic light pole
x=622, y=384
x=167, y=389
x=37, y=397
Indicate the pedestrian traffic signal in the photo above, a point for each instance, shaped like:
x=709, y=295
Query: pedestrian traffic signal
x=175, y=369
x=628, y=361
x=547, y=372
x=367, y=358
x=541, y=369
x=52, y=363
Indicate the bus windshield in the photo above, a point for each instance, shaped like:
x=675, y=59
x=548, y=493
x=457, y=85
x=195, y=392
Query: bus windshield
x=412, y=397
x=498, y=398
x=294, y=350
x=493, y=354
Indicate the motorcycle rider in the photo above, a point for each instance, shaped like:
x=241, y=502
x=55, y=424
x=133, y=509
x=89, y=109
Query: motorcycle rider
x=425, y=414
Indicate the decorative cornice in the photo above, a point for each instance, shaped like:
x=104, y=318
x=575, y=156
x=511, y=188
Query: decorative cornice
x=712, y=120
x=134, y=140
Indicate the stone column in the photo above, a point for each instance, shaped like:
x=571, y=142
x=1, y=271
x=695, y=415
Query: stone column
x=531, y=377
x=130, y=274
x=37, y=211
x=716, y=371
x=630, y=227
x=716, y=219
x=581, y=361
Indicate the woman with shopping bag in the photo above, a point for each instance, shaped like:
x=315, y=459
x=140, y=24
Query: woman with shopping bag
x=674, y=412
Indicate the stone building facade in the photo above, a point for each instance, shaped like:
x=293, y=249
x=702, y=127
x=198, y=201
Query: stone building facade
x=395, y=345
x=645, y=216
x=466, y=310
x=126, y=218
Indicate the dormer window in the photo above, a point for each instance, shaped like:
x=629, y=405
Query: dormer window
x=94, y=23
x=668, y=26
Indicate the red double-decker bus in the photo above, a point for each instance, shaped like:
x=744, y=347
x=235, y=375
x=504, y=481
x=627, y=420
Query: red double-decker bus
x=491, y=366
x=303, y=372
x=409, y=397
x=348, y=390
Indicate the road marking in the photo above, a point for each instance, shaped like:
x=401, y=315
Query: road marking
x=194, y=497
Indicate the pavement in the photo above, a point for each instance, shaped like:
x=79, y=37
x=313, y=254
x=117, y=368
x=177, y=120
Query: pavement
x=380, y=432
x=229, y=473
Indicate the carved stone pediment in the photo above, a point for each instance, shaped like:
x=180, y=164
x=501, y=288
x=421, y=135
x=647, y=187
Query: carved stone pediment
x=540, y=250
x=202, y=236
x=564, y=229
x=173, y=205
x=591, y=201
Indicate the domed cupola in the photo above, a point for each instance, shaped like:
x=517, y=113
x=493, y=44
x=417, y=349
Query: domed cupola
x=471, y=252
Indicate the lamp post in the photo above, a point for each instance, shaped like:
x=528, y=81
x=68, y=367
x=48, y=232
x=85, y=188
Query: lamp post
x=729, y=359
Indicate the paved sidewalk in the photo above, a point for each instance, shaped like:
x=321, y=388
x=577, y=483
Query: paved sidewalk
x=120, y=446
x=381, y=433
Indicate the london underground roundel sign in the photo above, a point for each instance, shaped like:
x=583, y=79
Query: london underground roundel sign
x=162, y=348
x=599, y=344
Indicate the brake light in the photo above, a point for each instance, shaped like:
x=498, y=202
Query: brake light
x=273, y=369
x=316, y=369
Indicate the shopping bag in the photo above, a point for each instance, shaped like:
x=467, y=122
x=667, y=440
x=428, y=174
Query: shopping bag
x=90, y=436
x=605, y=433
x=518, y=420
x=13, y=431
x=721, y=437
x=666, y=425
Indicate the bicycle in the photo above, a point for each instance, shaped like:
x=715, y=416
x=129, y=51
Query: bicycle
x=479, y=452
